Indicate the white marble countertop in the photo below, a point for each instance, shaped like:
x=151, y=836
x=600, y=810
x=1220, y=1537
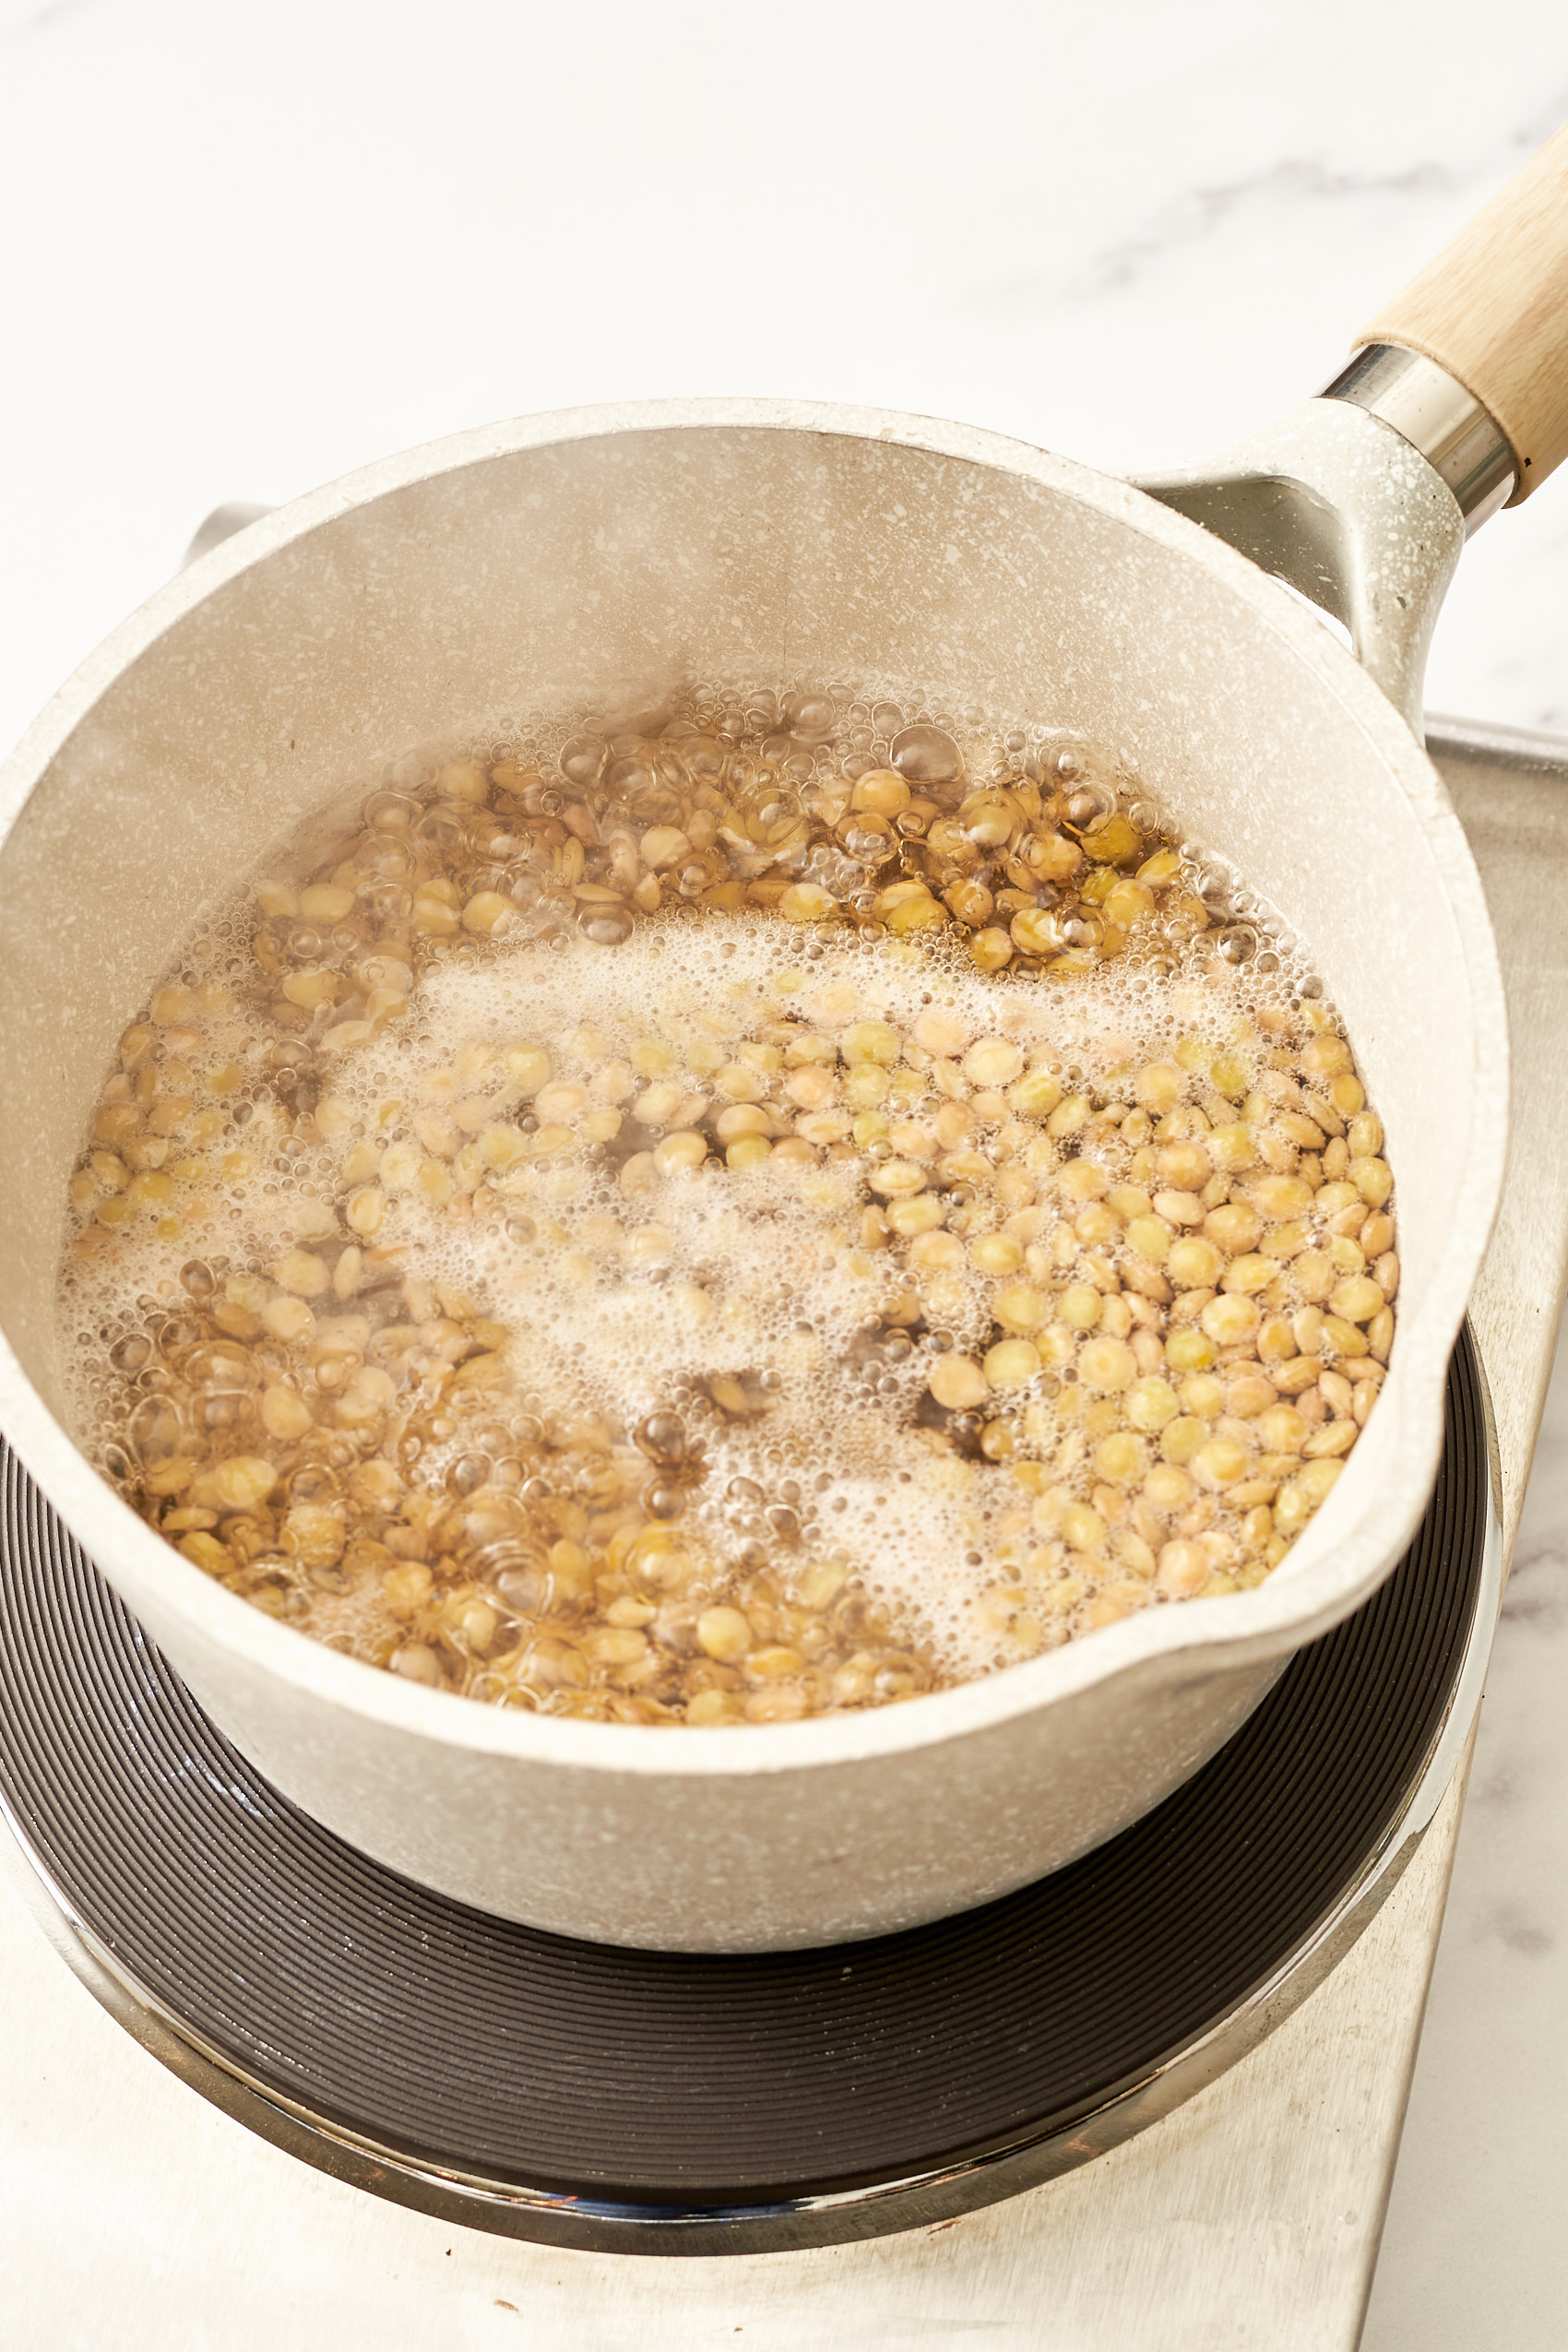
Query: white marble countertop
x=1474, y=2257
x=250, y=249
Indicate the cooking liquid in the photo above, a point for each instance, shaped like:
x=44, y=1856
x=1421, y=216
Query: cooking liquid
x=785, y=1208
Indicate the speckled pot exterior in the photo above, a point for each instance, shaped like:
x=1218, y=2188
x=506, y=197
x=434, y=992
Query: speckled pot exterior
x=409, y=605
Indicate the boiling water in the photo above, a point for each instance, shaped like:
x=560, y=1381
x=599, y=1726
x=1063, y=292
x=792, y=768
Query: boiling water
x=691, y=1226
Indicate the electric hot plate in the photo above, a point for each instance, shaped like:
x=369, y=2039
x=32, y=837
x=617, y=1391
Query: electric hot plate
x=651, y=2102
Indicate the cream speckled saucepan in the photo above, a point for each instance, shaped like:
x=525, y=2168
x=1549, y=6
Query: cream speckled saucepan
x=412, y=601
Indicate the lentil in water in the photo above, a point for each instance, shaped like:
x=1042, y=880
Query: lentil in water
x=789, y=1205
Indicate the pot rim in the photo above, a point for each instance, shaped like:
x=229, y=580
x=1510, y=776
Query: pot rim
x=1345, y=1550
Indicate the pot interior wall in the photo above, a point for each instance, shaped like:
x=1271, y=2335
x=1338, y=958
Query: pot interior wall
x=434, y=613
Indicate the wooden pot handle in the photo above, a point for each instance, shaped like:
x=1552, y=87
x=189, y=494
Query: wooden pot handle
x=1492, y=309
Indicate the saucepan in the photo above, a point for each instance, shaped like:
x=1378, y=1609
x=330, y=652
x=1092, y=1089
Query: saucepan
x=413, y=602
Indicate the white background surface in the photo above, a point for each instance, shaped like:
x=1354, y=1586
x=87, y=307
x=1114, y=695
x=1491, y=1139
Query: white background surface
x=249, y=248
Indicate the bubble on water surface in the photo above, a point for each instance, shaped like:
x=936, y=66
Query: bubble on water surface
x=925, y=754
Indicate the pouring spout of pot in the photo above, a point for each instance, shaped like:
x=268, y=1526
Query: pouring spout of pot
x=221, y=524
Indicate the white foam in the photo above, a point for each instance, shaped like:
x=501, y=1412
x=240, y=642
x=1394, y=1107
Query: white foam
x=619, y=1304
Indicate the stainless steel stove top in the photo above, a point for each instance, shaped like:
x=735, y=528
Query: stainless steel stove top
x=1248, y=2215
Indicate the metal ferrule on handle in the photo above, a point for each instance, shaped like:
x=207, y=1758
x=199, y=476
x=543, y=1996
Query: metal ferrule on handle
x=1459, y=439
x=1490, y=313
